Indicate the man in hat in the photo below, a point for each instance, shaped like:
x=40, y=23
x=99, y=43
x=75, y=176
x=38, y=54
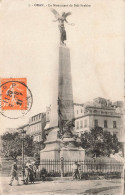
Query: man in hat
x=75, y=170
x=79, y=171
x=34, y=168
x=14, y=173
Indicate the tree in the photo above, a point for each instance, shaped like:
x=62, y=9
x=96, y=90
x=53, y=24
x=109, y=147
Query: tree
x=12, y=145
x=100, y=143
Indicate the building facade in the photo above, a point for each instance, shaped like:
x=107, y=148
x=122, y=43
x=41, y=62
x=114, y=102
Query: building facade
x=35, y=127
x=100, y=112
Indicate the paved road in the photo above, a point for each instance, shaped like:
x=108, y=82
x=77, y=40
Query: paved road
x=59, y=187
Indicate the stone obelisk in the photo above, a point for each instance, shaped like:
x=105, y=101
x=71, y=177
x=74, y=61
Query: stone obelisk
x=60, y=141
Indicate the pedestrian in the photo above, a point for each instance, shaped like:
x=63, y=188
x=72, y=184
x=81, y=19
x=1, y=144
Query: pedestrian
x=31, y=174
x=75, y=170
x=79, y=171
x=26, y=175
x=14, y=173
x=34, y=168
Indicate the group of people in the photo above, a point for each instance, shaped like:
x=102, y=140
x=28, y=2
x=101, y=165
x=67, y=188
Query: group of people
x=76, y=168
x=30, y=170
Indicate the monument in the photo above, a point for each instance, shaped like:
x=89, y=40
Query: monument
x=60, y=141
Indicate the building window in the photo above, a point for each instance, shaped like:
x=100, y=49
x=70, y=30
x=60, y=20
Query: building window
x=96, y=123
x=85, y=123
x=77, y=112
x=81, y=110
x=105, y=124
x=77, y=124
x=81, y=124
x=114, y=124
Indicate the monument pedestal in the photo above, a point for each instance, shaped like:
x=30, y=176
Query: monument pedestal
x=74, y=154
x=52, y=148
x=69, y=151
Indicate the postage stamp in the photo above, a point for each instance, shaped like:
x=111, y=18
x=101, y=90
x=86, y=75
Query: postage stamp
x=14, y=94
x=15, y=97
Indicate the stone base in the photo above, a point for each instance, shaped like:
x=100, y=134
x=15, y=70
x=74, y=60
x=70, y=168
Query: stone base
x=50, y=152
x=74, y=154
x=52, y=148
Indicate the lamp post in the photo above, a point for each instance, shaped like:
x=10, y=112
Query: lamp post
x=23, y=133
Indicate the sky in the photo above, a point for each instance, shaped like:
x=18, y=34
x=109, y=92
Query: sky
x=29, y=41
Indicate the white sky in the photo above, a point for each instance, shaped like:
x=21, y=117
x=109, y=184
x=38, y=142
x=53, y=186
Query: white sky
x=29, y=48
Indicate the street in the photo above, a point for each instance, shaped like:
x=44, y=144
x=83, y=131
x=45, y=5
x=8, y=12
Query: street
x=62, y=186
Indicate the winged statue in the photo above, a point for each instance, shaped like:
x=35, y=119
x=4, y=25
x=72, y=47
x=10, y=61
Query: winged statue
x=61, y=19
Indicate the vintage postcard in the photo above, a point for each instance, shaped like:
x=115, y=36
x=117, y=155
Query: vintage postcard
x=62, y=97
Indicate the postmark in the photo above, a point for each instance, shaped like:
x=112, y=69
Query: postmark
x=15, y=97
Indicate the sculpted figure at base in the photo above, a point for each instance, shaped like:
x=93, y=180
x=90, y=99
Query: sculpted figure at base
x=61, y=19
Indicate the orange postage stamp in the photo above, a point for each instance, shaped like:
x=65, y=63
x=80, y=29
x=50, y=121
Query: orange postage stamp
x=14, y=94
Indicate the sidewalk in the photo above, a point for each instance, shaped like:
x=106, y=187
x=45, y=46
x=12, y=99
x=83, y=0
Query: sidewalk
x=62, y=186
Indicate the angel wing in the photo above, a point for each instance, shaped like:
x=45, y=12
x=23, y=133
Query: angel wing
x=66, y=14
x=55, y=13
